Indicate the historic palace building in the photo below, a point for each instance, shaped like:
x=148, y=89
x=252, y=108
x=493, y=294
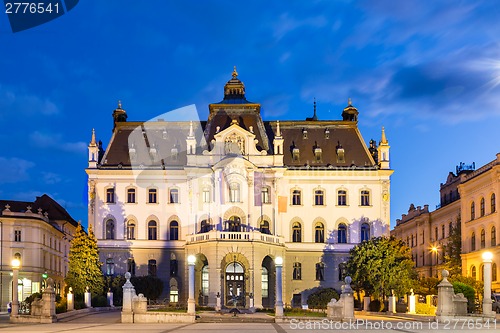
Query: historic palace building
x=469, y=198
x=38, y=234
x=237, y=192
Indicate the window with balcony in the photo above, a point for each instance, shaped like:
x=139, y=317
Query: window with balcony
x=152, y=230
x=296, y=232
x=342, y=198
x=233, y=224
x=264, y=227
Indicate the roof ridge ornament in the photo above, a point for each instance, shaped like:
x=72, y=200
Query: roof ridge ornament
x=119, y=104
x=383, y=140
x=92, y=141
x=349, y=102
x=235, y=73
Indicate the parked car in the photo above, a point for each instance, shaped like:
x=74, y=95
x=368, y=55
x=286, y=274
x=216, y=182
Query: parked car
x=495, y=305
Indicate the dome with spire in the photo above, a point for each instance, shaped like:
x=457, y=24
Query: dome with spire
x=119, y=114
x=350, y=113
x=234, y=90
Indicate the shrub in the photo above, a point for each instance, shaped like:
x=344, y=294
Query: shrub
x=32, y=297
x=423, y=308
x=79, y=304
x=150, y=286
x=375, y=305
x=99, y=301
x=468, y=291
x=61, y=306
x=320, y=298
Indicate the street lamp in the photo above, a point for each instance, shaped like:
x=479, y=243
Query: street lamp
x=278, y=261
x=487, y=258
x=434, y=249
x=191, y=302
x=16, y=264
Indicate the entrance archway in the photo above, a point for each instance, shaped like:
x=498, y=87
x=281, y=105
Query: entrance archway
x=268, y=282
x=235, y=284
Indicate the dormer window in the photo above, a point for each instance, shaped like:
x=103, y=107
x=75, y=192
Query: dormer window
x=327, y=134
x=304, y=133
x=153, y=153
x=340, y=154
x=132, y=152
x=164, y=134
x=174, y=152
x=317, y=154
x=296, y=154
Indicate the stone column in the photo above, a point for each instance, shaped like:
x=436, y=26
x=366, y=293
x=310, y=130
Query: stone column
x=87, y=298
x=191, y=301
x=279, y=287
x=445, y=298
x=487, y=311
x=15, y=300
x=70, y=301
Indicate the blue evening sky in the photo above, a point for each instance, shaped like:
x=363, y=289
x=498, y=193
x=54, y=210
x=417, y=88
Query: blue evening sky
x=429, y=71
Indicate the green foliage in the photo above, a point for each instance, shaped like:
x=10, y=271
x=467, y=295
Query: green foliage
x=426, y=286
x=84, y=266
x=61, y=306
x=115, y=283
x=99, y=301
x=453, y=249
x=380, y=265
x=477, y=285
x=468, y=291
x=79, y=304
x=375, y=306
x=423, y=308
x=150, y=286
x=32, y=297
x=320, y=298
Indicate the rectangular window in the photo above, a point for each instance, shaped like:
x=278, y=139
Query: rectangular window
x=17, y=235
x=319, y=196
x=296, y=198
x=174, y=296
x=110, y=195
x=152, y=267
x=365, y=198
x=206, y=195
x=131, y=266
x=265, y=195
x=342, y=198
x=174, y=195
x=152, y=195
x=297, y=271
x=131, y=195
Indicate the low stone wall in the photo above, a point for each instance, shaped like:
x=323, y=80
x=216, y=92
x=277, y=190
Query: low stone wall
x=158, y=317
x=30, y=319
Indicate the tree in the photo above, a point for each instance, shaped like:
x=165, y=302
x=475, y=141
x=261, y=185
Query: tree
x=84, y=266
x=381, y=265
x=321, y=297
x=452, y=250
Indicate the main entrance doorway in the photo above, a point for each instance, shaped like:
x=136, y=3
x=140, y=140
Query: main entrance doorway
x=235, y=285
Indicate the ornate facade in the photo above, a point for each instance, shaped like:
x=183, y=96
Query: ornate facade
x=237, y=191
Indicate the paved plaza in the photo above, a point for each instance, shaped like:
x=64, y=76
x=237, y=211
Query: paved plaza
x=109, y=322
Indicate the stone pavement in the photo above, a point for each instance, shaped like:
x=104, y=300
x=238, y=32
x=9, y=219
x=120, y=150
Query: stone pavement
x=110, y=323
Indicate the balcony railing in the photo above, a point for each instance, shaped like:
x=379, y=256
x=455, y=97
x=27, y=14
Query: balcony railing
x=245, y=236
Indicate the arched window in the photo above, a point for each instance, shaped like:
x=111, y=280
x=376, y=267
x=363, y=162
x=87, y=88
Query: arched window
x=17, y=256
x=493, y=203
x=152, y=230
x=233, y=224
x=493, y=272
x=173, y=195
x=110, y=229
x=130, y=230
x=234, y=192
x=365, y=198
x=493, y=236
x=342, y=198
x=450, y=228
x=442, y=231
x=365, y=232
x=265, y=282
x=473, y=242
x=473, y=272
x=205, y=226
x=319, y=197
x=320, y=271
x=436, y=234
x=472, y=211
x=319, y=233
x=296, y=198
x=204, y=281
x=152, y=267
x=297, y=271
x=342, y=233
x=110, y=266
x=174, y=230
x=264, y=227
x=481, y=207
x=131, y=195
x=152, y=195
x=296, y=232
x=483, y=239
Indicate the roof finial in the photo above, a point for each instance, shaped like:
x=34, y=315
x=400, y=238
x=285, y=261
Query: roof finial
x=349, y=102
x=383, y=140
x=119, y=104
x=278, y=132
x=235, y=73
x=92, y=141
x=314, y=116
x=191, y=133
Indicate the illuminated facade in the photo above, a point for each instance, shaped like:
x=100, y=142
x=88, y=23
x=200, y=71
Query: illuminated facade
x=237, y=191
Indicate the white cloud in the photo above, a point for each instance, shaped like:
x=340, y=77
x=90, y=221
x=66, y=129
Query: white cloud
x=51, y=178
x=13, y=170
x=17, y=101
x=56, y=141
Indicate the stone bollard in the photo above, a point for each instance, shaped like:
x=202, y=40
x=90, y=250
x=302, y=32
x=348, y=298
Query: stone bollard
x=70, y=302
x=49, y=301
x=109, y=298
x=392, y=303
x=411, y=303
x=87, y=298
x=366, y=303
x=218, y=305
x=445, y=309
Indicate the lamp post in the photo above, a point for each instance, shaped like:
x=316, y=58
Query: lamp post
x=487, y=311
x=278, y=261
x=191, y=302
x=434, y=250
x=16, y=264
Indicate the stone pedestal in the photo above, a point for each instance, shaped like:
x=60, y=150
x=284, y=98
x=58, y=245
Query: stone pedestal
x=70, y=302
x=366, y=303
x=412, y=304
x=445, y=310
x=87, y=298
x=392, y=304
x=218, y=304
x=128, y=294
x=49, y=300
x=139, y=304
x=109, y=298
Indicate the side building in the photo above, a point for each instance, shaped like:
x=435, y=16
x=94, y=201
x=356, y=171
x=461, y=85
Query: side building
x=237, y=192
x=38, y=234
